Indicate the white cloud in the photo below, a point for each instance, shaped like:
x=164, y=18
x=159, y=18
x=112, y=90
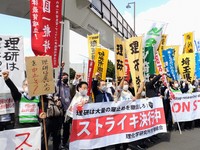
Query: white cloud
x=181, y=16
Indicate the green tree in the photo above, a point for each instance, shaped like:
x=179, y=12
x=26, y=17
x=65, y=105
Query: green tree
x=110, y=70
x=72, y=73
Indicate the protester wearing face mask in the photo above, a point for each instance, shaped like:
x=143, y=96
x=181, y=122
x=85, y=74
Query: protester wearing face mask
x=124, y=93
x=66, y=92
x=21, y=100
x=99, y=89
x=175, y=88
x=79, y=99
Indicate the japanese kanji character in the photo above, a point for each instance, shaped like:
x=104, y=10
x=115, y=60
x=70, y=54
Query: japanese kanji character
x=134, y=47
x=144, y=120
x=136, y=62
x=11, y=56
x=34, y=2
x=185, y=61
x=119, y=49
x=157, y=115
x=46, y=45
x=47, y=31
x=46, y=6
x=120, y=65
x=12, y=43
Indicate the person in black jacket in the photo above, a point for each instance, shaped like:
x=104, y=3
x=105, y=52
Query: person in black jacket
x=150, y=86
x=99, y=90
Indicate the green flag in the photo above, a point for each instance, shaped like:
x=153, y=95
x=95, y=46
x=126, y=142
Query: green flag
x=149, y=67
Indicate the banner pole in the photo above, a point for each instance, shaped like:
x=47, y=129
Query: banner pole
x=44, y=125
x=61, y=55
x=179, y=128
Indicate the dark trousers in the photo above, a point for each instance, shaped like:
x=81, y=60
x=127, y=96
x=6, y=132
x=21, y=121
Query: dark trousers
x=6, y=125
x=53, y=127
x=66, y=131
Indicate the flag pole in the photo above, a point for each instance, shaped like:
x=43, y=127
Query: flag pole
x=62, y=41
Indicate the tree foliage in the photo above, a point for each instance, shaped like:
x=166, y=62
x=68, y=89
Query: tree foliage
x=110, y=70
x=72, y=73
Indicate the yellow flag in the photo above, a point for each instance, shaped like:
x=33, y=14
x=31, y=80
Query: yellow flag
x=186, y=63
x=93, y=42
x=176, y=52
x=119, y=58
x=135, y=60
x=101, y=62
x=160, y=49
x=188, y=42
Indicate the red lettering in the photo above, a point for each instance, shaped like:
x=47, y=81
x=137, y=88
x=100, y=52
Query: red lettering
x=195, y=105
x=176, y=107
x=186, y=106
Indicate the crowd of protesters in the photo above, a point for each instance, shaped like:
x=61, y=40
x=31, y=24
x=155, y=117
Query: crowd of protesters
x=57, y=106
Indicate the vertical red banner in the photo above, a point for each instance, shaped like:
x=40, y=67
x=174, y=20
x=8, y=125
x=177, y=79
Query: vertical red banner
x=127, y=69
x=46, y=16
x=89, y=77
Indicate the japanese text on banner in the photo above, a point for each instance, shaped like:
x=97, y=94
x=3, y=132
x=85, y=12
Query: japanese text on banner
x=93, y=42
x=135, y=60
x=45, y=27
x=22, y=139
x=186, y=107
x=40, y=75
x=188, y=43
x=119, y=58
x=12, y=59
x=106, y=121
x=186, y=66
x=101, y=62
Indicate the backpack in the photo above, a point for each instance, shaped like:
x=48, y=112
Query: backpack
x=53, y=110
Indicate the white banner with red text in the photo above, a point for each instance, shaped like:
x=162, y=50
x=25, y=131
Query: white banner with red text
x=7, y=104
x=186, y=107
x=18, y=139
x=101, y=124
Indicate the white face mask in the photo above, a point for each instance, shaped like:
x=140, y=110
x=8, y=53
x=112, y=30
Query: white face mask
x=143, y=94
x=183, y=84
x=26, y=89
x=83, y=92
x=125, y=87
x=176, y=85
x=104, y=88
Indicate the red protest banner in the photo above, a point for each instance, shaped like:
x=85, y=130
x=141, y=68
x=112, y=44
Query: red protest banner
x=45, y=28
x=89, y=77
x=127, y=70
x=99, y=123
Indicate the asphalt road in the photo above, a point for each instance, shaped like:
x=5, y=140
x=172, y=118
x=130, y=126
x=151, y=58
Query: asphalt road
x=188, y=140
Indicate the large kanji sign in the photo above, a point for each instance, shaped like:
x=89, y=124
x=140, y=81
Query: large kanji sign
x=11, y=59
x=45, y=27
x=101, y=124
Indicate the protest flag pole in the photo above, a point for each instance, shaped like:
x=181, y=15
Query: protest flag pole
x=61, y=55
x=44, y=124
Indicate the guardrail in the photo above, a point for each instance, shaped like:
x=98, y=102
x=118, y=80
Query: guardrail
x=108, y=12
